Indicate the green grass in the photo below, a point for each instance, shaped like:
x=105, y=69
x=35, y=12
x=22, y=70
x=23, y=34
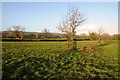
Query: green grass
x=50, y=60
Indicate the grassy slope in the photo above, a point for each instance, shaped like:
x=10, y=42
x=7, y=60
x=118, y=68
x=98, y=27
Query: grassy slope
x=50, y=60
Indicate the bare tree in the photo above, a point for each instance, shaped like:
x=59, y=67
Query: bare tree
x=21, y=34
x=97, y=35
x=106, y=37
x=17, y=30
x=93, y=35
x=69, y=25
x=100, y=32
x=36, y=35
x=45, y=33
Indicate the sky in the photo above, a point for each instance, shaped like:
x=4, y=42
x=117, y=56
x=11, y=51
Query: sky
x=59, y=0
x=36, y=16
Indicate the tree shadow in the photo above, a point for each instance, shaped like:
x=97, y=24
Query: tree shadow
x=105, y=44
x=29, y=68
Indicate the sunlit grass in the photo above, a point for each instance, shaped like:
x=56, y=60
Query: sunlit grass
x=50, y=60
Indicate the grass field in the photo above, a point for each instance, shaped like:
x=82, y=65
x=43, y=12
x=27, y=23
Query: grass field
x=50, y=60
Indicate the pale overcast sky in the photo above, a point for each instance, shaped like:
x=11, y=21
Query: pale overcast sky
x=35, y=16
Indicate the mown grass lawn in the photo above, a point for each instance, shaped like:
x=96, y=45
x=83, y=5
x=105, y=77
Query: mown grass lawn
x=50, y=60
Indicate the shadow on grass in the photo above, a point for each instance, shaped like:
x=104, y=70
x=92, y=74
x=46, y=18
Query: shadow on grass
x=30, y=67
x=62, y=67
x=35, y=68
x=105, y=44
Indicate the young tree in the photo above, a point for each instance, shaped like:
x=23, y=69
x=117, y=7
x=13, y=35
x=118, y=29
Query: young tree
x=100, y=32
x=69, y=25
x=17, y=31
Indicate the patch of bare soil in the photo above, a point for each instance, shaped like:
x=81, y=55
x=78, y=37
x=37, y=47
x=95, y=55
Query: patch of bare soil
x=88, y=49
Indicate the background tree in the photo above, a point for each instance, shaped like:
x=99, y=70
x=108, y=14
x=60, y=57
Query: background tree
x=97, y=35
x=115, y=37
x=83, y=36
x=21, y=34
x=69, y=25
x=45, y=33
x=100, y=32
x=7, y=34
x=37, y=35
x=106, y=38
x=17, y=31
x=32, y=36
x=93, y=35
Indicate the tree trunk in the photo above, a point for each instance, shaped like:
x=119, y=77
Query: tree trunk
x=74, y=42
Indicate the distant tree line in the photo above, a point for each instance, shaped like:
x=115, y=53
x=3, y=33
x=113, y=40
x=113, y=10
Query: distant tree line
x=17, y=32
